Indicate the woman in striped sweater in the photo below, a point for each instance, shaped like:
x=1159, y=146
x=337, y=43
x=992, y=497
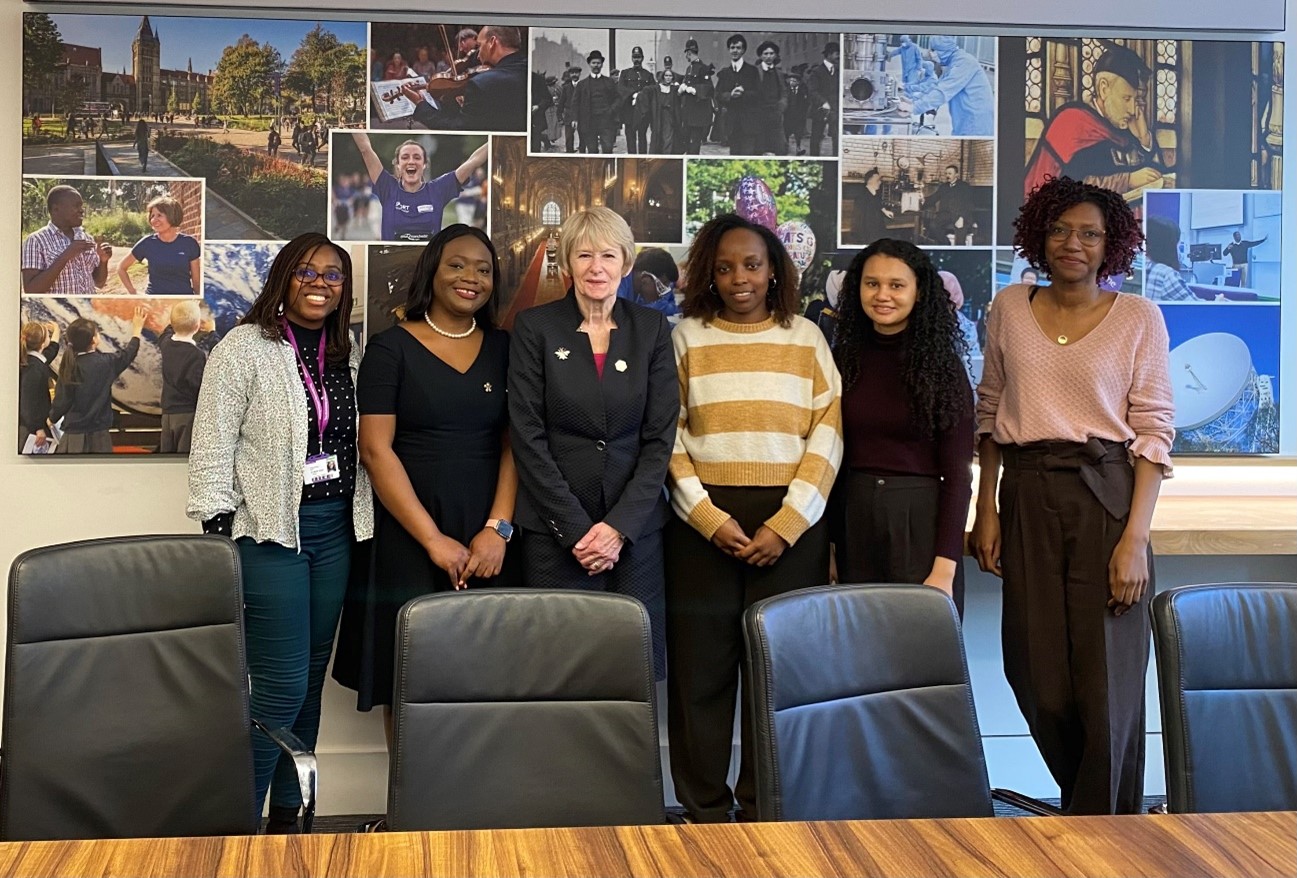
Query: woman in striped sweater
x=756, y=452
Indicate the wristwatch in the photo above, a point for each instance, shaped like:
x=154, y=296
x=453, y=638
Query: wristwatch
x=502, y=527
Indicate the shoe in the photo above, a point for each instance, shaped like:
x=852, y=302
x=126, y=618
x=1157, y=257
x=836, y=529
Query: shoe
x=283, y=821
x=379, y=825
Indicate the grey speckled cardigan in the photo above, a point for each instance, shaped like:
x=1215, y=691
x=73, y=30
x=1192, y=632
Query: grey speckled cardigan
x=249, y=441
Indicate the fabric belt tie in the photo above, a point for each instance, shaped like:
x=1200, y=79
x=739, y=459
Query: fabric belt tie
x=1099, y=462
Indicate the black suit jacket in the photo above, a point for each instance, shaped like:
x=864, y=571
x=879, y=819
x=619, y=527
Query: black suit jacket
x=567, y=102
x=953, y=201
x=494, y=100
x=587, y=119
x=741, y=111
x=34, y=389
x=823, y=87
x=591, y=449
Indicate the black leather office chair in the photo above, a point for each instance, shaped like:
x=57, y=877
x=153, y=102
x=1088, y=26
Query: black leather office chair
x=863, y=708
x=521, y=707
x=1227, y=677
x=126, y=693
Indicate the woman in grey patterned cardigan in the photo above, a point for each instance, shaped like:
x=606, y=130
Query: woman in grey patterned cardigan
x=273, y=465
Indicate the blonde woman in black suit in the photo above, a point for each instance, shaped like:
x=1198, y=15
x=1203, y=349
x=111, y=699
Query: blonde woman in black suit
x=593, y=403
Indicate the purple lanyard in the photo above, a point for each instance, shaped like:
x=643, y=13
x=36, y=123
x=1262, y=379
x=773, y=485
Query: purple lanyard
x=319, y=396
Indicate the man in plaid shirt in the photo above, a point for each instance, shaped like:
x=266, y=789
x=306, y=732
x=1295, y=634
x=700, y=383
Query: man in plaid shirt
x=62, y=259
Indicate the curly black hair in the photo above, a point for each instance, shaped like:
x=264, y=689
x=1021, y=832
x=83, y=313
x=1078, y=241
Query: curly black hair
x=1048, y=201
x=936, y=352
x=267, y=312
x=702, y=299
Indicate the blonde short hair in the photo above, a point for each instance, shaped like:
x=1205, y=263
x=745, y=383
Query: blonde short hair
x=185, y=317
x=598, y=227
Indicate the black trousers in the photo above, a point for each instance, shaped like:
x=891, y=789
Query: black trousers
x=822, y=123
x=770, y=137
x=889, y=530
x=694, y=137
x=599, y=136
x=1076, y=669
x=637, y=139
x=743, y=142
x=638, y=573
x=707, y=592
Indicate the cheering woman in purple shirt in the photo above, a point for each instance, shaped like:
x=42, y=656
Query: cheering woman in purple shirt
x=412, y=206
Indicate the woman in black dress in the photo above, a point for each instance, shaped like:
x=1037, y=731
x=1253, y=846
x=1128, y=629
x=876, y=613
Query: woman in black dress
x=434, y=436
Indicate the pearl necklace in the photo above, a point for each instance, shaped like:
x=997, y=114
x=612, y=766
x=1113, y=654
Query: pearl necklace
x=472, y=324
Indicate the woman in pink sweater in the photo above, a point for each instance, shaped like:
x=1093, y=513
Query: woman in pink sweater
x=1075, y=401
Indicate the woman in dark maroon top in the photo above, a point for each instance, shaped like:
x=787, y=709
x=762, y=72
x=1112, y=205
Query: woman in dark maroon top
x=907, y=421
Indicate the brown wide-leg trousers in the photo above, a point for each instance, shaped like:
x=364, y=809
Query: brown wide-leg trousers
x=1076, y=668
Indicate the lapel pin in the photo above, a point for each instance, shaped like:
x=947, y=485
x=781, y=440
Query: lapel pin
x=620, y=365
x=562, y=353
x=487, y=387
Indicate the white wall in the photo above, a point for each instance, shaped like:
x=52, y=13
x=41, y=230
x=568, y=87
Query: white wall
x=48, y=501
x=1254, y=15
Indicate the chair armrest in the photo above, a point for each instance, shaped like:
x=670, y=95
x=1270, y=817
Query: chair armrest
x=1026, y=803
x=305, y=763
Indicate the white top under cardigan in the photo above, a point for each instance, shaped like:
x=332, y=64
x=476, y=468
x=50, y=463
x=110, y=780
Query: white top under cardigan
x=249, y=441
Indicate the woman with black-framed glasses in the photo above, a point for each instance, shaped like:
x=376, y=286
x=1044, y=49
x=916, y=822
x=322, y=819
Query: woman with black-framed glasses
x=273, y=465
x=1075, y=402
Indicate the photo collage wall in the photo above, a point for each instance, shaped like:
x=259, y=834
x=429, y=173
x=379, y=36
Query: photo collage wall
x=194, y=147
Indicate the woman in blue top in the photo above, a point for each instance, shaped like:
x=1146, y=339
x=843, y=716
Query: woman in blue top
x=412, y=205
x=172, y=256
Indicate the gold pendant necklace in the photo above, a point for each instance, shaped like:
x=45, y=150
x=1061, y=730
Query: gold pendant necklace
x=1062, y=339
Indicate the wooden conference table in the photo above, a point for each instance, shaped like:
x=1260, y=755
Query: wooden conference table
x=1164, y=845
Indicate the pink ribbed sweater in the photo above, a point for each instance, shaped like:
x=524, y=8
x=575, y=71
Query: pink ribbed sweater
x=1112, y=384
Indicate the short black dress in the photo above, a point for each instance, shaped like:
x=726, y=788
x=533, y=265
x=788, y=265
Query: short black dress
x=449, y=427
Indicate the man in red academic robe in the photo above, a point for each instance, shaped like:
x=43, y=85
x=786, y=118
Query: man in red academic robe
x=1107, y=142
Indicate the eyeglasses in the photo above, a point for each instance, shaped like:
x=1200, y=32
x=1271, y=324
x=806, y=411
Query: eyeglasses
x=1087, y=237
x=331, y=276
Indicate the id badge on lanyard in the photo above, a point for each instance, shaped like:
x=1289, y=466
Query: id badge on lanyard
x=318, y=467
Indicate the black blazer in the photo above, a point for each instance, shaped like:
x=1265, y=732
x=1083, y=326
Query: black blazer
x=34, y=379
x=494, y=100
x=591, y=449
x=741, y=110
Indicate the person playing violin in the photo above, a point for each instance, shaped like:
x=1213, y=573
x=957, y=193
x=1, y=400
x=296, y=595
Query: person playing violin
x=492, y=100
x=466, y=46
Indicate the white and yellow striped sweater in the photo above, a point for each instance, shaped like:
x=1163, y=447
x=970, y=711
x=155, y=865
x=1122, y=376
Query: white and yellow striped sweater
x=760, y=406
